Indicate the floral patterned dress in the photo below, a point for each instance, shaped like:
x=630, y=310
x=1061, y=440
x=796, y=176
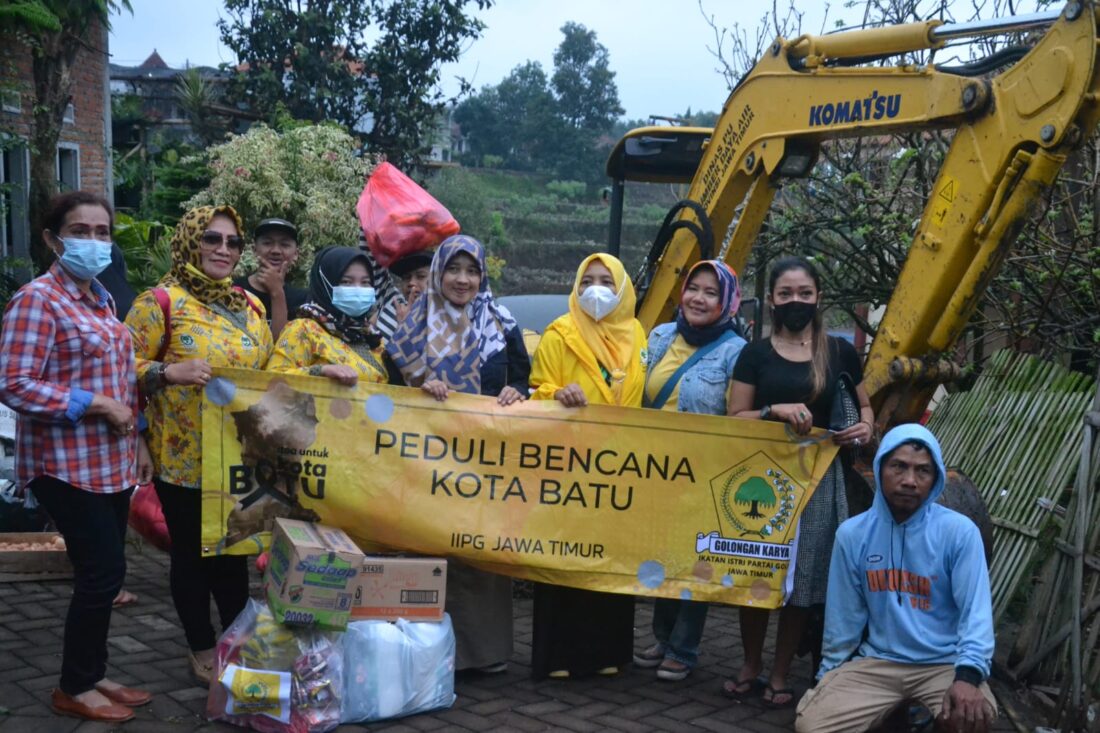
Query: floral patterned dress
x=222, y=337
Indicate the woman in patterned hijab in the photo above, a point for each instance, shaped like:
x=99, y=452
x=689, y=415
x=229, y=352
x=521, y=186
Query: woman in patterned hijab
x=187, y=260
x=457, y=337
x=193, y=322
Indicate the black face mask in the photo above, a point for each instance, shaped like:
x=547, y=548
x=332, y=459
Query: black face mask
x=795, y=315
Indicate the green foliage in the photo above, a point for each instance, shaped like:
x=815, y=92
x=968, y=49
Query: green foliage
x=313, y=59
x=570, y=190
x=29, y=14
x=197, y=98
x=583, y=81
x=557, y=126
x=13, y=272
x=470, y=202
x=145, y=245
x=36, y=17
x=311, y=176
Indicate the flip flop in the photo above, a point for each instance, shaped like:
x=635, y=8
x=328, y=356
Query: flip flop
x=124, y=598
x=744, y=689
x=770, y=694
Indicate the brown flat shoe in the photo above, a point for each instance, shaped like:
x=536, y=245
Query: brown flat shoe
x=63, y=704
x=128, y=696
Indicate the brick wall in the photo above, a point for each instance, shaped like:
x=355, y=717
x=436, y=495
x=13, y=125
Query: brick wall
x=88, y=99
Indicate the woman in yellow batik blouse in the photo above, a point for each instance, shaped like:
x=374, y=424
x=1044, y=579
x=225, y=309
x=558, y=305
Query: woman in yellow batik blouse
x=192, y=321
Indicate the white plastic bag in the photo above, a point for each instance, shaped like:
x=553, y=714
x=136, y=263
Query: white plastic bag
x=397, y=669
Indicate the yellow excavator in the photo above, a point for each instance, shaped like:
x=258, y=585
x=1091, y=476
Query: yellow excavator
x=1012, y=134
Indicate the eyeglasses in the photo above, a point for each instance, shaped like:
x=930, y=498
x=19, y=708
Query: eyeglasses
x=211, y=241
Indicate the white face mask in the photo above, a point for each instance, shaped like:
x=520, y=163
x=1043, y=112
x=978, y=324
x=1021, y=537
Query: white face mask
x=599, y=300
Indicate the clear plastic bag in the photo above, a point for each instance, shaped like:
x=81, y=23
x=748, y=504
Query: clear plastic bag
x=275, y=679
x=396, y=669
x=399, y=217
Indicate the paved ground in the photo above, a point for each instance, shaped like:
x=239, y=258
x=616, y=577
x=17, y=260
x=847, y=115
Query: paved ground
x=147, y=649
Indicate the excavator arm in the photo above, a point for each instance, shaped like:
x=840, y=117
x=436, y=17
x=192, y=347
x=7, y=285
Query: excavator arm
x=1012, y=134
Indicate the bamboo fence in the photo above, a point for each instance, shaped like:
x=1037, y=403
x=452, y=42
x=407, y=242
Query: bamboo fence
x=1017, y=436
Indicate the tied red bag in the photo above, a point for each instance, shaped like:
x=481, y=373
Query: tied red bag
x=399, y=217
x=147, y=517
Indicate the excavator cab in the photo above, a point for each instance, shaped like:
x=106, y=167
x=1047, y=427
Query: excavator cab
x=663, y=154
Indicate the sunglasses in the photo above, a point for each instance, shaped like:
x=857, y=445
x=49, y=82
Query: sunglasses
x=213, y=240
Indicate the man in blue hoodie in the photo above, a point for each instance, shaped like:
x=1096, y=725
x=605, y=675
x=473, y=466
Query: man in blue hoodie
x=908, y=614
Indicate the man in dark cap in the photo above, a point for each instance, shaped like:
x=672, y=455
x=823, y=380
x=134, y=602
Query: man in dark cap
x=412, y=272
x=276, y=245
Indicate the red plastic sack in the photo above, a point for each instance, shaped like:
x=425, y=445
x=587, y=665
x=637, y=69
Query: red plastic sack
x=399, y=217
x=147, y=517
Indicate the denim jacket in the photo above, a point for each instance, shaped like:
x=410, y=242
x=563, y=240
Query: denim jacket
x=704, y=386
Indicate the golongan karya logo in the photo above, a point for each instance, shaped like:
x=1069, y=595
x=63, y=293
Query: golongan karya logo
x=755, y=502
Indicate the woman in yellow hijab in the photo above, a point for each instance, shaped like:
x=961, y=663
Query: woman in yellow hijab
x=594, y=354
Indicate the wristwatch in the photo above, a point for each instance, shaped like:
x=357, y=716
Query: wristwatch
x=765, y=412
x=161, y=372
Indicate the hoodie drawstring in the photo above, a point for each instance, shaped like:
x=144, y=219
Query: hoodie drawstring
x=897, y=568
x=903, y=528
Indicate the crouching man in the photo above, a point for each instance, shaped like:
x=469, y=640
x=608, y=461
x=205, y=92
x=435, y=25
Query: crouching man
x=908, y=613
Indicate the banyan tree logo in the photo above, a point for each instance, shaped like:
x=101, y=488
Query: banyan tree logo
x=755, y=502
x=743, y=498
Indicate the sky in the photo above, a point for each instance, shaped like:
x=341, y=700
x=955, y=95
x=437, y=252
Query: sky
x=658, y=48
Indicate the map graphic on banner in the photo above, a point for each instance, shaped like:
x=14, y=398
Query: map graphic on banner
x=623, y=500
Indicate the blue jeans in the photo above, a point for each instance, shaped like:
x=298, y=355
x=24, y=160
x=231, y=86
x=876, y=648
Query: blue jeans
x=678, y=628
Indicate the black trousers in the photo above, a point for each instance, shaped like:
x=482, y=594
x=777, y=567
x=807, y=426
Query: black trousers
x=94, y=528
x=194, y=578
x=580, y=631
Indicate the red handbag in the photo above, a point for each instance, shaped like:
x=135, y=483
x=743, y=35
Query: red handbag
x=147, y=517
x=399, y=217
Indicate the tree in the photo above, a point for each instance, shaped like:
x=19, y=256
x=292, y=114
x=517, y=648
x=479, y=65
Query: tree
x=755, y=492
x=312, y=59
x=583, y=81
x=516, y=119
x=55, y=31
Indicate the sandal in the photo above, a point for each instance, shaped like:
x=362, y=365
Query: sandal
x=742, y=690
x=770, y=693
x=672, y=671
x=124, y=598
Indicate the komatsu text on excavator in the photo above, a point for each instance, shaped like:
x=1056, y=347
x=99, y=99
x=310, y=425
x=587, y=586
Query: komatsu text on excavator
x=1012, y=134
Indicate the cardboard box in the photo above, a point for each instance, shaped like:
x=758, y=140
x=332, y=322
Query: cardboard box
x=311, y=576
x=389, y=588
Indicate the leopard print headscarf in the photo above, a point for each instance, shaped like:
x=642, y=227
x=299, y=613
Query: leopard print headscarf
x=186, y=269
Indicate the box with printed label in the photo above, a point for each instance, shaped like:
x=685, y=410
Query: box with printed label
x=389, y=588
x=310, y=579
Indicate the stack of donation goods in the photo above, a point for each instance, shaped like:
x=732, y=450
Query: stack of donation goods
x=341, y=638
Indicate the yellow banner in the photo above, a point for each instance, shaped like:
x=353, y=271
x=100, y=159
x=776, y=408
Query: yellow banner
x=623, y=500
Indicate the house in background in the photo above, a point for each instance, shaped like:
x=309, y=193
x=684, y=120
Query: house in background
x=447, y=140
x=154, y=85
x=83, y=152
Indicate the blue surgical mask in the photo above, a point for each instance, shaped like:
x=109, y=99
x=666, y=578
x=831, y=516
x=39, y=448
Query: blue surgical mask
x=353, y=299
x=85, y=258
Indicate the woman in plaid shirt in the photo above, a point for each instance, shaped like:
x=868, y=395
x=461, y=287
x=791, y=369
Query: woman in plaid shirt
x=68, y=370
